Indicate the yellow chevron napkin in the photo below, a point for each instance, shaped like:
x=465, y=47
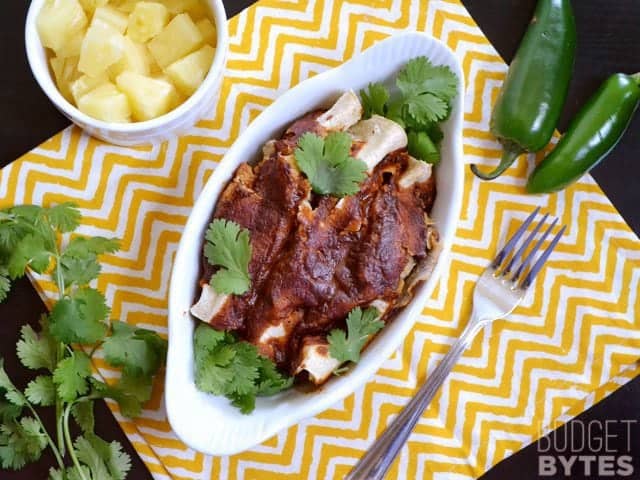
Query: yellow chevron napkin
x=573, y=342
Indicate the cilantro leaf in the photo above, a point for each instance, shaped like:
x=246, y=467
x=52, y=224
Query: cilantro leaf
x=427, y=92
x=228, y=246
x=11, y=232
x=12, y=394
x=64, y=217
x=328, y=165
x=36, y=351
x=129, y=405
x=56, y=474
x=271, y=380
x=208, y=339
x=81, y=318
x=5, y=283
x=138, y=386
x=81, y=246
x=79, y=270
x=245, y=403
x=79, y=261
x=374, y=99
x=346, y=347
x=130, y=348
x=73, y=474
x=21, y=442
x=41, y=391
x=116, y=461
x=32, y=219
x=396, y=112
x=8, y=411
x=425, y=109
x=104, y=460
x=71, y=375
x=420, y=76
x=235, y=369
x=87, y=454
x=30, y=213
x=212, y=374
x=82, y=413
x=244, y=369
x=30, y=251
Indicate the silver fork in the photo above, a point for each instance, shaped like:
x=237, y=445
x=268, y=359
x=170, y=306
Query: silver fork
x=497, y=293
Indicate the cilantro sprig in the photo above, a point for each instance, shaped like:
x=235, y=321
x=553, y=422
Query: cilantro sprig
x=36, y=239
x=426, y=93
x=361, y=325
x=328, y=165
x=228, y=247
x=226, y=366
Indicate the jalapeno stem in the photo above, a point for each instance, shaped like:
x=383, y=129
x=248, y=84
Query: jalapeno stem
x=636, y=77
x=509, y=155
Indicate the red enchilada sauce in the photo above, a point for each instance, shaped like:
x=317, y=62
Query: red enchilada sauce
x=315, y=258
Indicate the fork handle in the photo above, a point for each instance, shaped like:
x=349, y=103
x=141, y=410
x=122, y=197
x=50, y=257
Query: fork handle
x=377, y=460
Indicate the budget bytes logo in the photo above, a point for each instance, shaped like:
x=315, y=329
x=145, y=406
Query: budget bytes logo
x=595, y=449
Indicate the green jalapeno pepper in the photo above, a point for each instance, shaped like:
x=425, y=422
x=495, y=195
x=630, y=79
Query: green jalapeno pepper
x=594, y=132
x=531, y=100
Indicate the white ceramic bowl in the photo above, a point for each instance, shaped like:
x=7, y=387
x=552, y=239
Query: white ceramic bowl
x=209, y=423
x=140, y=133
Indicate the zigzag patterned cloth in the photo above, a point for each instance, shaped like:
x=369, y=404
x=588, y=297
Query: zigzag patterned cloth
x=575, y=340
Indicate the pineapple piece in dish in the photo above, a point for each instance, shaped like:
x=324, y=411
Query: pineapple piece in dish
x=58, y=21
x=179, y=38
x=106, y=103
x=149, y=97
x=188, y=73
x=102, y=47
x=147, y=20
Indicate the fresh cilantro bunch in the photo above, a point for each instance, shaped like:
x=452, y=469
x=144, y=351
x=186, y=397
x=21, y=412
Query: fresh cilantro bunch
x=36, y=239
x=328, y=165
x=425, y=95
x=226, y=366
x=361, y=325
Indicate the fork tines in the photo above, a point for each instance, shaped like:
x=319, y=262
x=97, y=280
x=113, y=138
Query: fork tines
x=504, y=268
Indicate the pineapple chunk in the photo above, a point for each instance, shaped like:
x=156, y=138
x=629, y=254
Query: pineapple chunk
x=126, y=6
x=135, y=58
x=154, y=68
x=91, y=5
x=85, y=84
x=177, y=98
x=180, y=6
x=149, y=97
x=208, y=31
x=195, y=8
x=106, y=103
x=72, y=46
x=179, y=38
x=113, y=17
x=58, y=21
x=188, y=73
x=147, y=20
x=198, y=11
x=102, y=47
x=65, y=71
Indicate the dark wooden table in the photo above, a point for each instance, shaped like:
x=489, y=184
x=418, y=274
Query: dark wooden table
x=608, y=39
